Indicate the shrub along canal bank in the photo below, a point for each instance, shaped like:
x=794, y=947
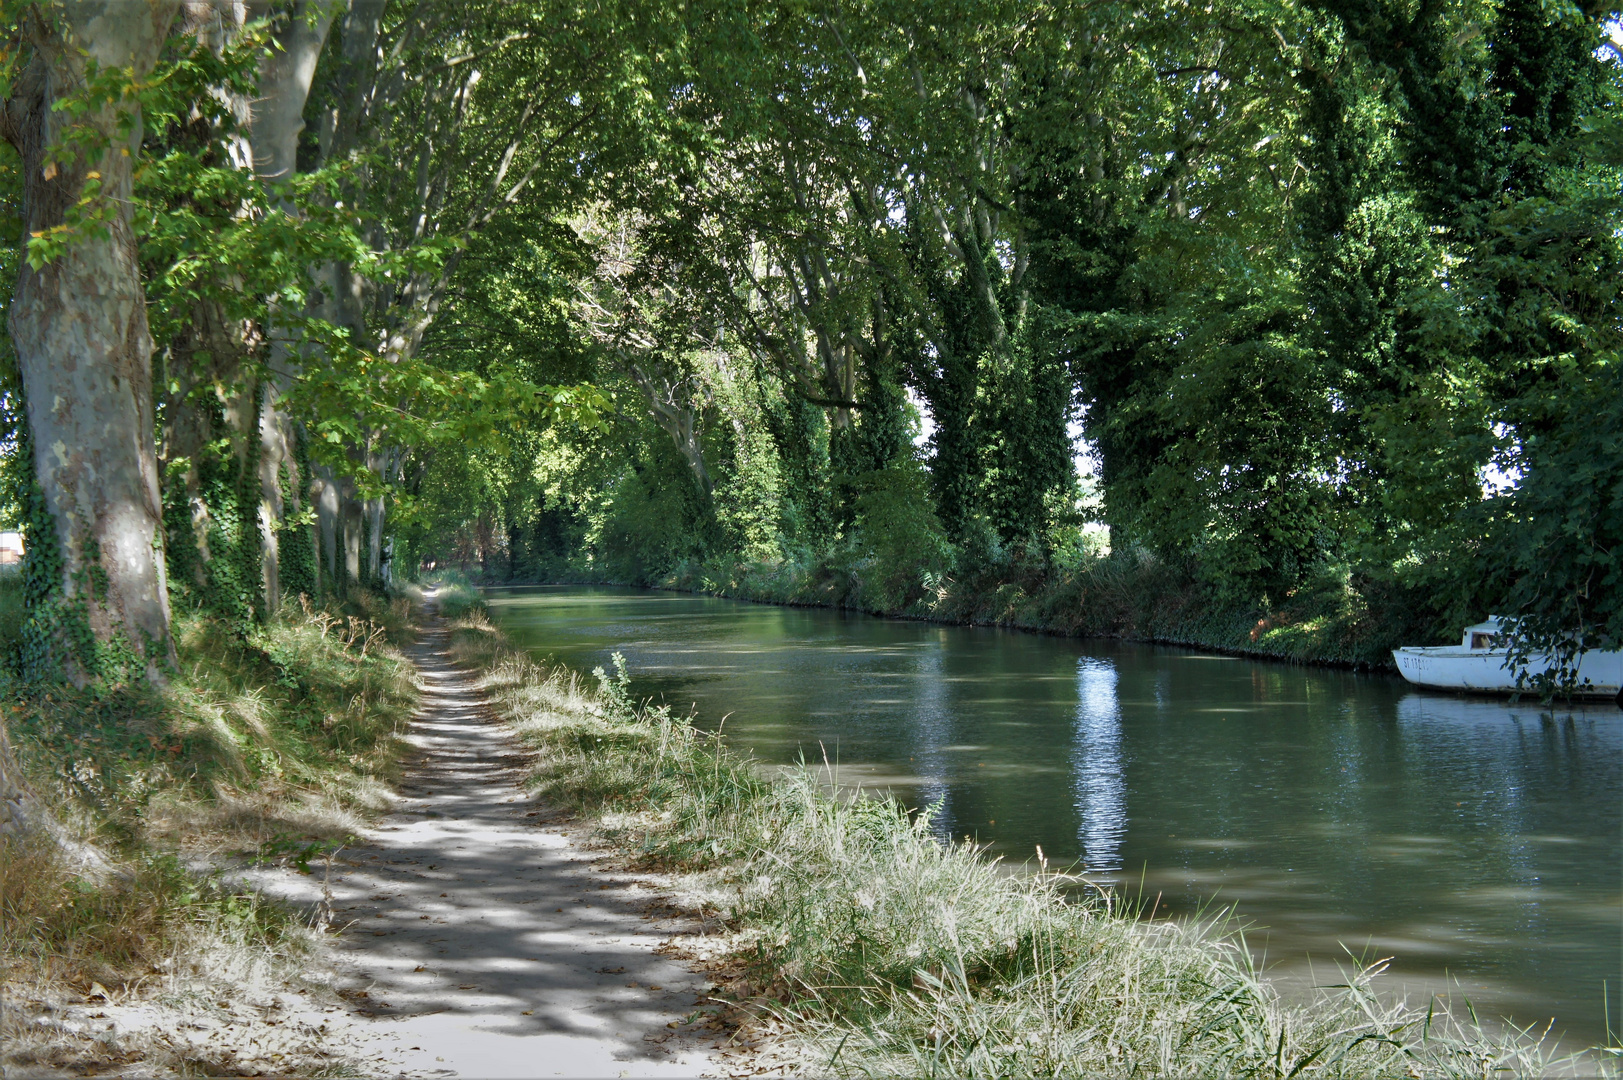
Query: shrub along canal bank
x=877, y=949
x=1330, y=620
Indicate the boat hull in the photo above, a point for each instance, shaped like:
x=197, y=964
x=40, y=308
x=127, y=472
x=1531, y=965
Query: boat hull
x=1485, y=671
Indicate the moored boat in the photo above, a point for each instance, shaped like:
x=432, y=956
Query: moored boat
x=1481, y=663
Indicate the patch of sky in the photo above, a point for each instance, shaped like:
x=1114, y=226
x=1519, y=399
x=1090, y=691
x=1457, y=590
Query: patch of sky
x=1503, y=472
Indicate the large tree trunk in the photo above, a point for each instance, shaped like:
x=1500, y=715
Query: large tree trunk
x=80, y=329
x=351, y=522
x=277, y=119
x=274, y=452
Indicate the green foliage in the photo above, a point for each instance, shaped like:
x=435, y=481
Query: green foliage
x=898, y=531
x=37, y=659
x=300, y=575
x=1310, y=271
x=662, y=290
x=654, y=518
x=1557, y=539
x=801, y=436
x=455, y=599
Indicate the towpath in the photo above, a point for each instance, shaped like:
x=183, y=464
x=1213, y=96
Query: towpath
x=479, y=940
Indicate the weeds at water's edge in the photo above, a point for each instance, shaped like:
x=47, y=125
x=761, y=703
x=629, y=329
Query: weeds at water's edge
x=881, y=951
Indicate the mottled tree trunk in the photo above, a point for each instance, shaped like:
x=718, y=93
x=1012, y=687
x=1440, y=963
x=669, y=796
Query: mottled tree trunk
x=274, y=452
x=324, y=493
x=277, y=119
x=351, y=523
x=80, y=330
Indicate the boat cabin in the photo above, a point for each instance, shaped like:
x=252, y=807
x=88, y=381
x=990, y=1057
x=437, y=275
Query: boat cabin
x=1484, y=635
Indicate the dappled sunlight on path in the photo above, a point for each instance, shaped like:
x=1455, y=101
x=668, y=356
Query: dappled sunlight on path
x=484, y=941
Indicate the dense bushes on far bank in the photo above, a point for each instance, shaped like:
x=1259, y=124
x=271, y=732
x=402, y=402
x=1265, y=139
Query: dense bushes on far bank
x=1326, y=621
x=1329, y=620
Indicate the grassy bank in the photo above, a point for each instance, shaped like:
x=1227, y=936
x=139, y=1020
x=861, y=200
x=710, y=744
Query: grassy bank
x=275, y=743
x=883, y=951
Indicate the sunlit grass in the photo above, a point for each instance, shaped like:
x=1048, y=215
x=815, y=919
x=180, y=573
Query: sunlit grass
x=278, y=742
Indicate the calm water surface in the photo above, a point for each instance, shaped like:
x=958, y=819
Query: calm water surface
x=1479, y=843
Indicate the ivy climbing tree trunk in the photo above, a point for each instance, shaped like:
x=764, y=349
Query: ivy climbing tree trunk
x=80, y=329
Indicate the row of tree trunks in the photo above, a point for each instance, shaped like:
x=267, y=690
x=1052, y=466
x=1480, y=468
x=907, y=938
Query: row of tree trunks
x=79, y=321
x=277, y=119
x=349, y=532
x=84, y=350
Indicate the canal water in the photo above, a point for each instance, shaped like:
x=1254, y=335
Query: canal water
x=1478, y=843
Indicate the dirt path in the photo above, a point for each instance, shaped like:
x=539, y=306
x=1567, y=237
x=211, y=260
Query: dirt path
x=486, y=942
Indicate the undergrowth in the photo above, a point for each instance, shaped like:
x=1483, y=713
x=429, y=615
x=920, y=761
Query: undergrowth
x=272, y=743
x=1330, y=619
x=887, y=952
x=1334, y=617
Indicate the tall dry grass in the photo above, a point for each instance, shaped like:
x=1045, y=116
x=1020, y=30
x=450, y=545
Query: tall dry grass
x=273, y=743
x=889, y=953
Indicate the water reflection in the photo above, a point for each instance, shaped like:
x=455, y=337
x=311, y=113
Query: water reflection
x=1477, y=841
x=932, y=733
x=1100, y=786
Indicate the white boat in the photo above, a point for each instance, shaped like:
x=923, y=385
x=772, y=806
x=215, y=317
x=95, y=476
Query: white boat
x=1480, y=662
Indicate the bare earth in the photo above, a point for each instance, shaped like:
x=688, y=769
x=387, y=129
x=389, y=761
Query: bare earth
x=480, y=941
